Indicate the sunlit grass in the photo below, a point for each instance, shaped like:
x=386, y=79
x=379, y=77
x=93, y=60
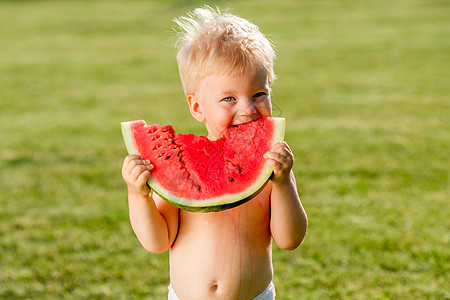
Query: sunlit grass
x=364, y=88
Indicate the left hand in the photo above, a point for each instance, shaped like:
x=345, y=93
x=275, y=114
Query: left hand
x=281, y=159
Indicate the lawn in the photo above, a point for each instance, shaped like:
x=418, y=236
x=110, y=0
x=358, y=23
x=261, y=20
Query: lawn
x=364, y=86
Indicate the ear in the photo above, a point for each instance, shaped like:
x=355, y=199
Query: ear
x=195, y=107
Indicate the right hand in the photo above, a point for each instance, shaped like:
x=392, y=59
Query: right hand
x=136, y=172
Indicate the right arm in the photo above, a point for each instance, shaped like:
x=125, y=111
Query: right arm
x=154, y=221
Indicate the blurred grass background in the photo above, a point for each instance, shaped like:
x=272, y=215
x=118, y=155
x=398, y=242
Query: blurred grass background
x=364, y=86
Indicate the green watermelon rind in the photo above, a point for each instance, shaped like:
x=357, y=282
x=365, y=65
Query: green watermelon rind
x=215, y=207
x=223, y=202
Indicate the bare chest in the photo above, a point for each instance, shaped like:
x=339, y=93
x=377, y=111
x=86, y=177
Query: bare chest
x=247, y=220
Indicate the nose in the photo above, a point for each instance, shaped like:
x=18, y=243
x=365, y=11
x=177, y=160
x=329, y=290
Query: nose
x=247, y=108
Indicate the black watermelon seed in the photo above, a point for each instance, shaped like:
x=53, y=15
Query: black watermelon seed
x=168, y=156
x=231, y=179
x=160, y=155
x=198, y=188
x=239, y=169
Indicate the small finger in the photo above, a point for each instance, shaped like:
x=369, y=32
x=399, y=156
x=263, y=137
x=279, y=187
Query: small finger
x=281, y=144
x=149, y=165
x=137, y=162
x=143, y=177
x=274, y=164
x=130, y=161
x=274, y=155
x=137, y=171
x=282, y=147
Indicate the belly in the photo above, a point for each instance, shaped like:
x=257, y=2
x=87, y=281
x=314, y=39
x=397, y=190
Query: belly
x=224, y=255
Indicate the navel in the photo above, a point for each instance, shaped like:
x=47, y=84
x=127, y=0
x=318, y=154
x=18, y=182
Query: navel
x=214, y=287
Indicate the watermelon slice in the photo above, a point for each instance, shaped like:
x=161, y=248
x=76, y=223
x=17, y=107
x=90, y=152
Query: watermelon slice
x=197, y=174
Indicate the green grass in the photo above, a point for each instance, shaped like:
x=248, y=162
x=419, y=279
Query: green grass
x=364, y=86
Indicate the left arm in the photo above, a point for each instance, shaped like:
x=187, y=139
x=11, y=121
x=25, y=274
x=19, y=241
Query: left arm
x=288, y=220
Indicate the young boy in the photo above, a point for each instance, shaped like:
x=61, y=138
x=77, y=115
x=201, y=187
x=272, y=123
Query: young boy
x=226, y=68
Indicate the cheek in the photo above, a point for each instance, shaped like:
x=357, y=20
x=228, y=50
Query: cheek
x=221, y=117
x=265, y=108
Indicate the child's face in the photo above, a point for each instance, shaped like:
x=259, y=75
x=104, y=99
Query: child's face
x=224, y=100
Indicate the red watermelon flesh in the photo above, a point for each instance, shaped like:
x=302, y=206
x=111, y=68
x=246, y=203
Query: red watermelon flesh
x=197, y=174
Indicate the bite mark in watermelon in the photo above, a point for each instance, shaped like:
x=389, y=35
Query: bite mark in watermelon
x=197, y=174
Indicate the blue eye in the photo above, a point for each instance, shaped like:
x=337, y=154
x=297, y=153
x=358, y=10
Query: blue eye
x=228, y=99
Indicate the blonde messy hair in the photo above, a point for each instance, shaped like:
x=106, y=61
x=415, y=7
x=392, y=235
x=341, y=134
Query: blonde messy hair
x=211, y=41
